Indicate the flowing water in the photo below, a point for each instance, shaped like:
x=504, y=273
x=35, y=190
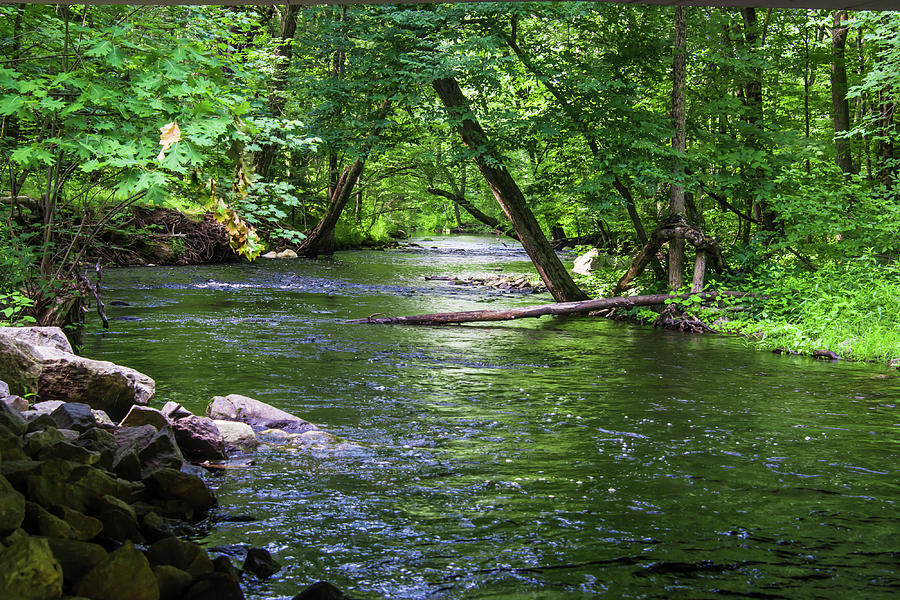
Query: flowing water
x=543, y=458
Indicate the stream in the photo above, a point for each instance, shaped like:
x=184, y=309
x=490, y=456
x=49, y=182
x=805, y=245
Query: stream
x=542, y=458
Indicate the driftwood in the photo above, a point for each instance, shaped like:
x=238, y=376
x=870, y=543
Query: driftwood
x=559, y=308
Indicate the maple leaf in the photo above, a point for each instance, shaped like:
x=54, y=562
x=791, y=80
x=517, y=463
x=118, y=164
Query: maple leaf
x=168, y=135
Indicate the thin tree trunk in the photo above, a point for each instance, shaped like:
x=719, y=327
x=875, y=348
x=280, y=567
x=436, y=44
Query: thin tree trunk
x=886, y=166
x=507, y=193
x=321, y=239
x=699, y=272
x=265, y=157
x=840, y=108
x=679, y=143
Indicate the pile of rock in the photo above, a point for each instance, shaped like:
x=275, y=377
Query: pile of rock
x=91, y=508
x=509, y=283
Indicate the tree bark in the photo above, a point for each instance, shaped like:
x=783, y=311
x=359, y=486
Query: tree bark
x=507, y=193
x=559, y=308
x=679, y=143
x=840, y=108
x=321, y=239
x=265, y=157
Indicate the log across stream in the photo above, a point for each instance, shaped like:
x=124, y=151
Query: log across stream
x=556, y=308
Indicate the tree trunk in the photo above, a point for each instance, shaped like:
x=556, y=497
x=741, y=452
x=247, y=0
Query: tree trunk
x=265, y=157
x=507, y=193
x=886, y=167
x=679, y=143
x=840, y=108
x=559, y=308
x=321, y=239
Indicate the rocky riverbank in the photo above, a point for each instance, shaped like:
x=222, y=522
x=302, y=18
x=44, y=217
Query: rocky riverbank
x=98, y=490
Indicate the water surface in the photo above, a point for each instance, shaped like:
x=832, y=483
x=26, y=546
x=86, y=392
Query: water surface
x=543, y=458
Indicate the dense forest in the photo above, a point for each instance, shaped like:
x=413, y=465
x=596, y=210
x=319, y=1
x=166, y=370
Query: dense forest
x=760, y=141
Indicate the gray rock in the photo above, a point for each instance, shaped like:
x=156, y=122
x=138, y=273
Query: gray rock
x=12, y=419
x=74, y=415
x=38, y=361
x=586, y=263
x=174, y=411
x=258, y=415
x=4, y=389
x=260, y=563
x=38, y=421
x=16, y=402
x=199, y=438
x=144, y=415
x=47, y=406
x=28, y=570
x=237, y=436
x=100, y=441
x=161, y=452
x=12, y=506
x=103, y=419
x=124, y=573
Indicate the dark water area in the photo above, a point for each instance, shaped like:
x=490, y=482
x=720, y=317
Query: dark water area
x=543, y=458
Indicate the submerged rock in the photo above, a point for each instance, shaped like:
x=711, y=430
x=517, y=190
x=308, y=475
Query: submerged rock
x=258, y=415
x=260, y=563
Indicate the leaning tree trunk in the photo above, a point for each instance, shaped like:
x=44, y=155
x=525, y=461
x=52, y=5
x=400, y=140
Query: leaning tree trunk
x=473, y=210
x=321, y=239
x=840, y=108
x=508, y=194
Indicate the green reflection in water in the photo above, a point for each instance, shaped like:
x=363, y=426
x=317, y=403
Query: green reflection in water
x=543, y=458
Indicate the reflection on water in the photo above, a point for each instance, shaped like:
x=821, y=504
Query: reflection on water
x=537, y=458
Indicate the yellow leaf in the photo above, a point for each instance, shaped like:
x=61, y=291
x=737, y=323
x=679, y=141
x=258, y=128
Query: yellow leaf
x=168, y=135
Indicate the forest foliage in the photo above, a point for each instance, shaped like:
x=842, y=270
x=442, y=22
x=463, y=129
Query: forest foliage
x=789, y=159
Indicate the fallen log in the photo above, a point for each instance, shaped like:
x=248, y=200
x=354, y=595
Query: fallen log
x=557, y=308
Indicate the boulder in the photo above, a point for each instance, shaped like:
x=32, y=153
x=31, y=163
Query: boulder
x=12, y=506
x=123, y=573
x=12, y=419
x=186, y=556
x=16, y=402
x=83, y=527
x=47, y=407
x=172, y=582
x=237, y=436
x=174, y=411
x=36, y=359
x=74, y=415
x=260, y=563
x=40, y=521
x=103, y=419
x=162, y=451
x=585, y=263
x=4, y=389
x=199, y=438
x=288, y=253
x=142, y=449
x=215, y=586
x=119, y=520
x=258, y=415
x=320, y=590
x=100, y=441
x=144, y=415
x=171, y=484
x=28, y=570
x=76, y=558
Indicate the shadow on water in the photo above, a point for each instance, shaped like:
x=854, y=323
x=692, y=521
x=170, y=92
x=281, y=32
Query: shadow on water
x=538, y=458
